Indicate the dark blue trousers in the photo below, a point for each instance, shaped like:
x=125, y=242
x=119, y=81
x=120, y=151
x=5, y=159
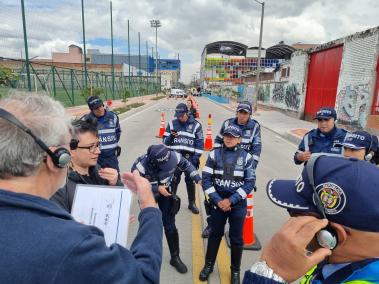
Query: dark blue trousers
x=168, y=218
x=236, y=218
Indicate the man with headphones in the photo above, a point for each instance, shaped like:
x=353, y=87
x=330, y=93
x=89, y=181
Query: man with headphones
x=323, y=139
x=83, y=169
x=333, y=235
x=41, y=242
x=361, y=145
x=109, y=132
x=159, y=165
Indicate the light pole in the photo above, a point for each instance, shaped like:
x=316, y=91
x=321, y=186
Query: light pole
x=156, y=24
x=259, y=55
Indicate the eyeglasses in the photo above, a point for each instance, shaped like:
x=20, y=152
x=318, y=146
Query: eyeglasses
x=91, y=148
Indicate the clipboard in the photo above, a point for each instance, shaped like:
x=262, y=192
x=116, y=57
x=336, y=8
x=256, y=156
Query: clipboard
x=105, y=207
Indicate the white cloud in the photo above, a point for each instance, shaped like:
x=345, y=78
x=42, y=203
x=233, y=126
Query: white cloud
x=187, y=26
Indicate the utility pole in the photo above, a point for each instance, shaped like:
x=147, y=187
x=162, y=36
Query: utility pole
x=156, y=24
x=112, y=51
x=84, y=46
x=26, y=47
x=259, y=56
x=129, y=60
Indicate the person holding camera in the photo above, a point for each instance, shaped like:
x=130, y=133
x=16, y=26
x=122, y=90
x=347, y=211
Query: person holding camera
x=109, y=132
x=184, y=135
x=83, y=169
x=159, y=165
x=228, y=177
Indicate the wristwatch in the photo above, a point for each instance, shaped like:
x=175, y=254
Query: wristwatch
x=262, y=269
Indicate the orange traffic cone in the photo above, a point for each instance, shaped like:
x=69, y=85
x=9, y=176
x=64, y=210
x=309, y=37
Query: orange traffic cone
x=161, y=127
x=250, y=240
x=208, y=144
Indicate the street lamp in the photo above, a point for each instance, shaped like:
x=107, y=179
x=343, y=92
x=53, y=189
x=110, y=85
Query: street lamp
x=259, y=55
x=156, y=24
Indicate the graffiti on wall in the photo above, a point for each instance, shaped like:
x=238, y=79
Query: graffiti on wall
x=264, y=93
x=353, y=104
x=288, y=95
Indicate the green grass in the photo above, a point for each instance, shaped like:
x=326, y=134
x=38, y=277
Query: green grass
x=120, y=110
x=158, y=98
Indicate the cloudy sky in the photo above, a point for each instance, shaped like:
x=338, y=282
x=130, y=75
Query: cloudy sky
x=186, y=25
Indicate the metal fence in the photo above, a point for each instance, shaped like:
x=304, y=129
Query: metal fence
x=36, y=30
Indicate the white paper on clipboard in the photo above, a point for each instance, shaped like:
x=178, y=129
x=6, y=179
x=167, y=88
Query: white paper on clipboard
x=106, y=207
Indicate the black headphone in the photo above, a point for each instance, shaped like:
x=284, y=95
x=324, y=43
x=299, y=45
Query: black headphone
x=61, y=157
x=326, y=237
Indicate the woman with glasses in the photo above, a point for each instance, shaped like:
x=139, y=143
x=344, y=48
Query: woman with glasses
x=85, y=151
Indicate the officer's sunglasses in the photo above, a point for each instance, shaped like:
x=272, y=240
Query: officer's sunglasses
x=91, y=148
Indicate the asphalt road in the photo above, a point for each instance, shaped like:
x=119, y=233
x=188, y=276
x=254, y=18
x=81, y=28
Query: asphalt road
x=140, y=130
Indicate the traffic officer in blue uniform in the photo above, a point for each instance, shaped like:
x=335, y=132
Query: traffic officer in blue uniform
x=158, y=165
x=361, y=145
x=323, y=139
x=228, y=177
x=109, y=132
x=250, y=139
x=184, y=134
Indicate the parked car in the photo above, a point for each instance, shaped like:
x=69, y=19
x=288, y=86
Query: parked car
x=179, y=93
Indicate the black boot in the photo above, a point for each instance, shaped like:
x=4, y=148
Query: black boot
x=191, y=198
x=210, y=258
x=173, y=245
x=236, y=256
x=206, y=232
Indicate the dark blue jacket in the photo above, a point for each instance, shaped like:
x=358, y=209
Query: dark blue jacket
x=190, y=138
x=158, y=177
x=109, y=132
x=217, y=184
x=41, y=243
x=250, y=140
x=317, y=142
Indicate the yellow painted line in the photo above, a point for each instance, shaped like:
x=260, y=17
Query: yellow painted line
x=198, y=249
x=223, y=262
x=198, y=258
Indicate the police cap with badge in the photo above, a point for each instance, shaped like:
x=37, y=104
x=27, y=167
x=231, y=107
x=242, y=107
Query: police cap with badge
x=342, y=190
x=326, y=113
x=244, y=106
x=359, y=140
x=181, y=109
x=232, y=130
x=94, y=102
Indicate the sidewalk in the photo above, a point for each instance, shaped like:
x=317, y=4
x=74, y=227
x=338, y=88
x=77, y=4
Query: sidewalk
x=288, y=127
x=79, y=111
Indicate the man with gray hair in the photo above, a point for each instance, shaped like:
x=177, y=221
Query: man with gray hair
x=40, y=242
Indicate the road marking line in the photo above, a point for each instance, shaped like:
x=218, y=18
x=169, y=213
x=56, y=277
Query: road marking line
x=223, y=262
x=198, y=258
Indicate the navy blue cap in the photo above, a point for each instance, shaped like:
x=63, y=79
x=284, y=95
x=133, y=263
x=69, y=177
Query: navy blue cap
x=357, y=140
x=181, y=109
x=348, y=188
x=326, y=113
x=163, y=156
x=94, y=102
x=245, y=106
x=233, y=130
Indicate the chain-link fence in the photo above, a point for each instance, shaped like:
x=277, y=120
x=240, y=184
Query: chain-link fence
x=49, y=56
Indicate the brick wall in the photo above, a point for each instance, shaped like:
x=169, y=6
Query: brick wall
x=357, y=78
x=288, y=93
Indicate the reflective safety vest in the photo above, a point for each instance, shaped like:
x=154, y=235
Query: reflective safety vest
x=360, y=272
